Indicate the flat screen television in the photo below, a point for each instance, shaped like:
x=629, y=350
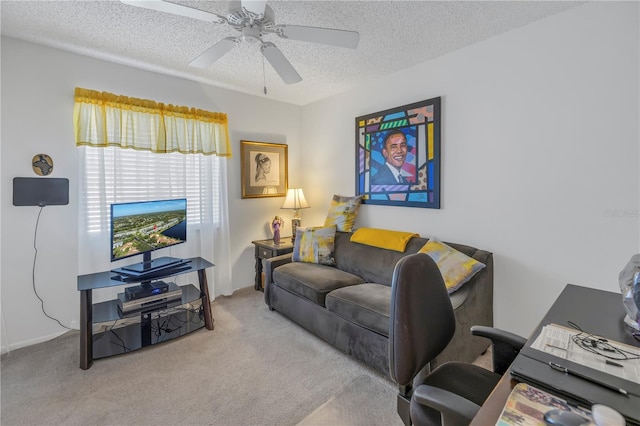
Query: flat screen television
x=142, y=227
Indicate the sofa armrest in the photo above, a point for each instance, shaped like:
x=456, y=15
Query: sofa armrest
x=482, y=256
x=268, y=266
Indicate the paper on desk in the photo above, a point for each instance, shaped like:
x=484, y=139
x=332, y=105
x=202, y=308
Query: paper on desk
x=557, y=340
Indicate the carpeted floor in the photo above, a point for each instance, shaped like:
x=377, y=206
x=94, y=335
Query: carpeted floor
x=255, y=368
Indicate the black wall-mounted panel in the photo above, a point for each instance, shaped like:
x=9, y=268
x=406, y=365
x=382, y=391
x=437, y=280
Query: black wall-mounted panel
x=40, y=191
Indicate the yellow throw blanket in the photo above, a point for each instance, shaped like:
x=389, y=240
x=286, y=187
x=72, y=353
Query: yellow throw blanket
x=383, y=238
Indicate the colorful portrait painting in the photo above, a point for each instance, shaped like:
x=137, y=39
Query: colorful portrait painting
x=398, y=156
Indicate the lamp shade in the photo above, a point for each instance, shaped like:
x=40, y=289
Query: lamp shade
x=295, y=199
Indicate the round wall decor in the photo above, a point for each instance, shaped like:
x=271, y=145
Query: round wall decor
x=42, y=164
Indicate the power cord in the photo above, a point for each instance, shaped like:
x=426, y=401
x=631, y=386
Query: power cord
x=171, y=323
x=599, y=345
x=119, y=345
x=33, y=272
x=116, y=344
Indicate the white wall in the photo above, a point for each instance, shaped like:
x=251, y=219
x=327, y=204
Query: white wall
x=37, y=110
x=540, y=154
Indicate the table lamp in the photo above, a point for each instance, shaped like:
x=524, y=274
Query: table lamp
x=295, y=200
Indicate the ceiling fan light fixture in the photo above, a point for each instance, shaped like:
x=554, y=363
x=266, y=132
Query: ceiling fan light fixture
x=251, y=35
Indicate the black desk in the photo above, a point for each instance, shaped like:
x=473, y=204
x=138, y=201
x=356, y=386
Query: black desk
x=595, y=311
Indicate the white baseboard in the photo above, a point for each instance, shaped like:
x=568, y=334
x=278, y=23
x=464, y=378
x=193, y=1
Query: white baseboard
x=12, y=347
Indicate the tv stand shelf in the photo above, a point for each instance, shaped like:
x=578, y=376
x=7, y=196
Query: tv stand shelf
x=105, y=331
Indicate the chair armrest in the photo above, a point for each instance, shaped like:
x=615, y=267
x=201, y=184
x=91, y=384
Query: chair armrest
x=454, y=408
x=498, y=335
x=506, y=345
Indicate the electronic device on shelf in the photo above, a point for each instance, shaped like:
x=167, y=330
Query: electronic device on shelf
x=139, y=228
x=141, y=291
x=170, y=296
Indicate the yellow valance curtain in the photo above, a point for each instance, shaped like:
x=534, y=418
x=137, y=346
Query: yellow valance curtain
x=103, y=119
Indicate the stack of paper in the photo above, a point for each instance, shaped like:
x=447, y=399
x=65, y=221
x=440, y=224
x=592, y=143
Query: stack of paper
x=558, y=341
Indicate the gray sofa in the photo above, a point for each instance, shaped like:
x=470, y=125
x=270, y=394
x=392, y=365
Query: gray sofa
x=348, y=305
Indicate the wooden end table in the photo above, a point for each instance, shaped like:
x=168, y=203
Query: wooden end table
x=266, y=249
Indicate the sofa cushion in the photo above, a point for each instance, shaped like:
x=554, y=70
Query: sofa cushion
x=342, y=212
x=315, y=245
x=364, y=304
x=456, y=267
x=312, y=281
x=373, y=264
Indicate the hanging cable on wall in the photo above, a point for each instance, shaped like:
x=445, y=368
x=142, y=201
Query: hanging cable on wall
x=33, y=272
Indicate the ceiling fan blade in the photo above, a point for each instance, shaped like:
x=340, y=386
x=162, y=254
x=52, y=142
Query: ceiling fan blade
x=254, y=6
x=176, y=9
x=283, y=67
x=330, y=36
x=214, y=53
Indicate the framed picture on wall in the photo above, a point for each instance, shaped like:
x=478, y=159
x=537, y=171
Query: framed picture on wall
x=264, y=169
x=398, y=156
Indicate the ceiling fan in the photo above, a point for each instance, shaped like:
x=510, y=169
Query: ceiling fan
x=254, y=19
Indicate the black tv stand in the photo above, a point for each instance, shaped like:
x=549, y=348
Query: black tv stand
x=104, y=331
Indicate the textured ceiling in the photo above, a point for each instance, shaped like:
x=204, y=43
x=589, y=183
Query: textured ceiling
x=393, y=35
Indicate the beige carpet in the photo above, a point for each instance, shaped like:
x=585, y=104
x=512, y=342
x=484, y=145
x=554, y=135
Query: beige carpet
x=255, y=368
x=353, y=405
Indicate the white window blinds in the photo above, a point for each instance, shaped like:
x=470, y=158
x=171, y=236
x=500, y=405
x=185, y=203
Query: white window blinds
x=114, y=175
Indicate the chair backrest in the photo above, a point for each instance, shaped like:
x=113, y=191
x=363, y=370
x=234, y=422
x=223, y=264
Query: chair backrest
x=421, y=319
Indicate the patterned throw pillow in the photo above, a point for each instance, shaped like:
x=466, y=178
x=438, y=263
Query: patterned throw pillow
x=343, y=212
x=315, y=245
x=456, y=268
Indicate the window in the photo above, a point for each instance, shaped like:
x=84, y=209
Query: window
x=138, y=150
x=114, y=175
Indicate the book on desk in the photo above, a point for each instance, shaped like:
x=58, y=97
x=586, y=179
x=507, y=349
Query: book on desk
x=527, y=406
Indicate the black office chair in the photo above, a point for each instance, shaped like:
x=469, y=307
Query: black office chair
x=422, y=324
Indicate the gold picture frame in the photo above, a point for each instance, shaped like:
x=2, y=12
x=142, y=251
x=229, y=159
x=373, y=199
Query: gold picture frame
x=264, y=169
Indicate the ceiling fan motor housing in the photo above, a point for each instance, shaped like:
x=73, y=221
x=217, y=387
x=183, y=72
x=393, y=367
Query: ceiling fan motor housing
x=241, y=18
